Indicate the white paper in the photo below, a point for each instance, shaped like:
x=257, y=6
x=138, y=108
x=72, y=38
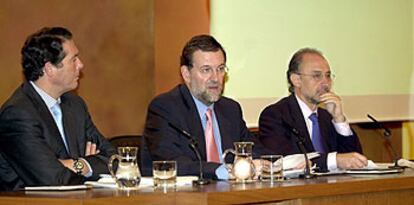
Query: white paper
x=294, y=160
x=56, y=188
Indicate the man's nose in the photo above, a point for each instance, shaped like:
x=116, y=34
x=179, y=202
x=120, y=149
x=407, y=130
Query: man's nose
x=80, y=65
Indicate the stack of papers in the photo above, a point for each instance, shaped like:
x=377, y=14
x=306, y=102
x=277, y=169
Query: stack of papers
x=373, y=168
x=291, y=162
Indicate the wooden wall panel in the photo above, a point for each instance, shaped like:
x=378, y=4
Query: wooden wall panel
x=175, y=23
x=116, y=43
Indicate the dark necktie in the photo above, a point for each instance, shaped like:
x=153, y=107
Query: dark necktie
x=317, y=140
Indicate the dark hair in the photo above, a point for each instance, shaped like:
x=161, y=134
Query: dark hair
x=41, y=47
x=200, y=42
x=295, y=62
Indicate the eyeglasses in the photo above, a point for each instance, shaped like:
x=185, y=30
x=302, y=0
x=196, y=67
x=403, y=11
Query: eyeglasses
x=208, y=70
x=319, y=76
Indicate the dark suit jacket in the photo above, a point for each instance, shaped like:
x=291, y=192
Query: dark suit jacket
x=177, y=106
x=278, y=138
x=30, y=142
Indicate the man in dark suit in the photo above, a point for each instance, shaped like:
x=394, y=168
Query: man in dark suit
x=47, y=136
x=324, y=130
x=197, y=107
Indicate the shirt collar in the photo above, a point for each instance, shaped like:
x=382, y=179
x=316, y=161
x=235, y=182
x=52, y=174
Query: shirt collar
x=306, y=111
x=49, y=100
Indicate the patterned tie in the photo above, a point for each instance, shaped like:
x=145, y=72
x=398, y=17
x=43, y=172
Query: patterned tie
x=57, y=116
x=317, y=140
x=212, y=152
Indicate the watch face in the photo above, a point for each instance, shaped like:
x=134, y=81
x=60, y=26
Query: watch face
x=78, y=166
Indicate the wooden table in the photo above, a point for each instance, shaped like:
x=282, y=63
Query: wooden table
x=339, y=189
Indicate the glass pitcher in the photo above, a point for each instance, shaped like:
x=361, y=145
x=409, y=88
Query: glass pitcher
x=126, y=174
x=242, y=168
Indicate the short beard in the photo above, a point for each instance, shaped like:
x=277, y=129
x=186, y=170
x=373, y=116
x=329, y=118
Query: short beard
x=206, y=98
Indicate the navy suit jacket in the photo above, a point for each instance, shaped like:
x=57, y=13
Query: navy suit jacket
x=276, y=135
x=30, y=142
x=177, y=106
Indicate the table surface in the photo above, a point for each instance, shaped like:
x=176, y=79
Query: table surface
x=223, y=192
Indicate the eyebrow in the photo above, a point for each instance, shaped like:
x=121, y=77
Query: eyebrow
x=75, y=56
x=318, y=71
x=223, y=64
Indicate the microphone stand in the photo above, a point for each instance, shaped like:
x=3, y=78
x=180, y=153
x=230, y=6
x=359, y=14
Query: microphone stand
x=300, y=142
x=387, y=136
x=193, y=146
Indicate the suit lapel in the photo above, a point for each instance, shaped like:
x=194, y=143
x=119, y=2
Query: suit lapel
x=299, y=122
x=193, y=121
x=69, y=127
x=224, y=127
x=54, y=138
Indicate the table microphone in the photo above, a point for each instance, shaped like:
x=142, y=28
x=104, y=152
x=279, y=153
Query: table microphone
x=300, y=140
x=387, y=136
x=193, y=145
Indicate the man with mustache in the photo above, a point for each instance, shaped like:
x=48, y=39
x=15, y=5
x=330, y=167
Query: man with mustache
x=198, y=107
x=47, y=136
x=325, y=130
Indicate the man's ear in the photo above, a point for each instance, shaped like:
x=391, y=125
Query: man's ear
x=185, y=73
x=49, y=69
x=295, y=79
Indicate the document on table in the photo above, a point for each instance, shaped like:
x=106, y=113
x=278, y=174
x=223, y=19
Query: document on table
x=373, y=168
x=57, y=188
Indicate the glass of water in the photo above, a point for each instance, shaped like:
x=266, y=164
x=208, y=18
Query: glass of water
x=272, y=168
x=164, y=173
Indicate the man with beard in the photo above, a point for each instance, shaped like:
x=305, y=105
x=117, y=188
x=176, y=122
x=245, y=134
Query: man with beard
x=197, y=107
x=47, y=136
x=324, y=130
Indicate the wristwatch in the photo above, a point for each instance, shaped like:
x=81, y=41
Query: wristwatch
x=78, y=166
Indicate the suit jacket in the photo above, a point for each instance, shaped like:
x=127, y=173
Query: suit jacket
x=30, y=142
x=276, y=135
x=178, y=107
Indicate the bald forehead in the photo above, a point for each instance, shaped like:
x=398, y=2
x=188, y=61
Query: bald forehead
x=313, y=61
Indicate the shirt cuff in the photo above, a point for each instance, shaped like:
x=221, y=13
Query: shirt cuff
x=89, y=174
x=222, y=173
x=342, y=128
x=331, y=161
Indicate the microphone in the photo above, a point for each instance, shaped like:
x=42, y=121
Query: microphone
x=387, y=132
x=387, y=136
x=193, y=145
x=300, y=140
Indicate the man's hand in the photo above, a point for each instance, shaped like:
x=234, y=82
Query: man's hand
x=333, y=106
x=68, y=163
x=351, y=160
x=302, y=165
x=258, y=165
x=91, y=149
